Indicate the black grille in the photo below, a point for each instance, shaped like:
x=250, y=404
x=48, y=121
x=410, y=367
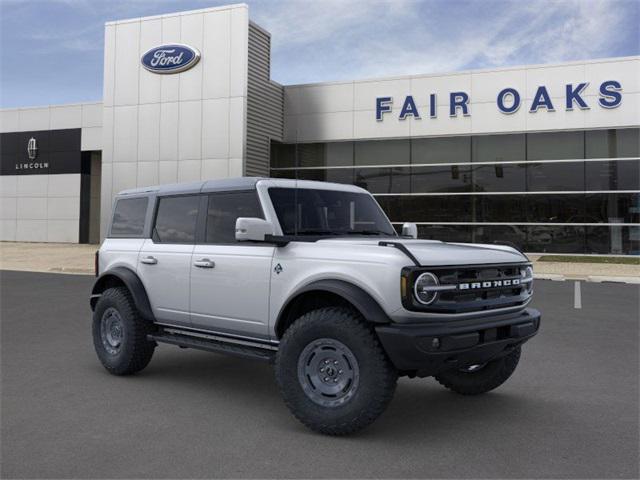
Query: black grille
x=476, y=288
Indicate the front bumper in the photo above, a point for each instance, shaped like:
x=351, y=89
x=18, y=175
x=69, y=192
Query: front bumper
x=427, y=349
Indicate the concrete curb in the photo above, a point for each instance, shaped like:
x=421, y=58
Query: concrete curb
x=586, y=278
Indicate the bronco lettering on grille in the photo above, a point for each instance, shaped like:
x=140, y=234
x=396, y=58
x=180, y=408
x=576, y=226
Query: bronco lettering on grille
x=510, y=282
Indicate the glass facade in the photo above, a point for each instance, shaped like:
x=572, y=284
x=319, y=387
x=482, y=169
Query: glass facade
x=564, y=192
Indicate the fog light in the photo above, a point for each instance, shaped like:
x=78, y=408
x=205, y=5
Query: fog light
x=435, y=343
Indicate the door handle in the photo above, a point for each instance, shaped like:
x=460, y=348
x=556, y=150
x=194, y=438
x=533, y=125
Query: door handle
x=204, y=263
x=149, y=260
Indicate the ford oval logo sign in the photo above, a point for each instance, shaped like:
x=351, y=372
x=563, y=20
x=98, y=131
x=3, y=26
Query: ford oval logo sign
x=173, y=58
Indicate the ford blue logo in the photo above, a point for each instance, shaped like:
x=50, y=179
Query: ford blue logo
x=172, y=58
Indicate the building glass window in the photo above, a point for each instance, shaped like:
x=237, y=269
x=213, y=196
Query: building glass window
x=382, y=152
x=613, y=143
x=559, y=208
x=555, y=238
x=441, y=179
x=613, y=175
x=499, y=148
x=499, y=208
x=555, y=145
x=282, y=155
x=176, y=219
x=428, y=208
x=384, y=180
x=561, y=176
x=446, y=233
x=613, y=240
x=613, y=207
x=499, y=178
x=223, y=211
x=440, y=150
x=128, y=217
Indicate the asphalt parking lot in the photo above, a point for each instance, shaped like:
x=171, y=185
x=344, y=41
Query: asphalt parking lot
x=571, y=409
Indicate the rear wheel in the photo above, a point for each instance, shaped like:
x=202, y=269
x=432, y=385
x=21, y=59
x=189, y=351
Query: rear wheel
x=120, y=333
x=477, y=379
x=332, y=372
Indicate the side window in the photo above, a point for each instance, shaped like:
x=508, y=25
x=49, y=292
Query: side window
x=128, y=217
x=224, y=209
x=176, y=219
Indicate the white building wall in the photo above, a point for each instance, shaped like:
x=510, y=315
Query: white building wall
x=174, y=127
x=346, y=110
x=46, y=208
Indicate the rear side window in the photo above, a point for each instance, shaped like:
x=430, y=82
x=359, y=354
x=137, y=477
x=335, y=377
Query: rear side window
x=224, y=209
x=128, y=217
x=176, y=219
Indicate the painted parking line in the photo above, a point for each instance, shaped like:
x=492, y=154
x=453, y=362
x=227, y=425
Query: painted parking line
x=577, y=295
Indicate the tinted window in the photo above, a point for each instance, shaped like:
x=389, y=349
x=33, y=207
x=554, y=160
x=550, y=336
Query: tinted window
x=223, y=211
x=176, y=219
x=613, y=208
x=382, y=152
x=613, y=143
x=499, y=148
x=445, y=178
x=613, y=175
x=128, y=217
x=562, y=176
x=441, y=150
x=428, y=208
x=499, y=178
x=320, y=212
x=555, y=145
x=500, y=208
x=383, y=180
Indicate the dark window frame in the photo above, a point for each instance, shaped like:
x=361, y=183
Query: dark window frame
x=144, y=224
x=156, y=208
x=202, y=239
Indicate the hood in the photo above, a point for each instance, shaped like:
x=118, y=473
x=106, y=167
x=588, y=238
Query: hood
x=435, y=253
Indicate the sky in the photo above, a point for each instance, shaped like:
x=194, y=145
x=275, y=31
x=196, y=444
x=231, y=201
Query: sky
x=51, y=51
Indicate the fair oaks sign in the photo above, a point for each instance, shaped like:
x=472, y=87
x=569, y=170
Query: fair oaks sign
x=508, y=100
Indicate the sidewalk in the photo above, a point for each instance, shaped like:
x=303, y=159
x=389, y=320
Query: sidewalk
x=72, y=258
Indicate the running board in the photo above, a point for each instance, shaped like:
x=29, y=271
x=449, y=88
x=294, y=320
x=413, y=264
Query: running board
x=265, y=353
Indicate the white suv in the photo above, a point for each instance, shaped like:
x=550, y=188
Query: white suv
x=312, y=277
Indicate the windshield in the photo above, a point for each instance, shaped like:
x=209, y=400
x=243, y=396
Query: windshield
x=307, y=211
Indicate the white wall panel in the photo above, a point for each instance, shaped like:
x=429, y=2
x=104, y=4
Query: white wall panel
x=109, y=68
x=127, y=63
x=149, y=132
x=107, y=135
x=32, y=208
x=91, y=115
x=65, y=116
x=147, y=174
x=32, y=185
x=63, y=208
x=626, y=72
x=485, y=86
x=169, y=131
x=554, y=78
x=239, y=52
x=170, y=84
x=124, y=176
x=422, y=86
x=216, y=62
x=64, y=185
x=189, y=170
x=91, y=138
x=149, y=83
x=215, y=128
x=627, y=114
x=34, y=119
x=214, y=168
x=9, y=120
x=237, y=126
x=365, y=93
x=8, y=230
x=190, y=130
x=125, y=134
x=66, y=231
x=168, y=172
x=8, y=208
x=31, y=230
x=363, y=127
x=336, y=97
x=8, y=185
x=192, y=35
x=236, y=167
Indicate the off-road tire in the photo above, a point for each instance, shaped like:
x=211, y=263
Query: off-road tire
x=487, y=378
x=377, y=376
x=135, y=351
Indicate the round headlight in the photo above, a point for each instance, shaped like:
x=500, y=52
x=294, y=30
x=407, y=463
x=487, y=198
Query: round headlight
x=423, y=288
x=527, y=276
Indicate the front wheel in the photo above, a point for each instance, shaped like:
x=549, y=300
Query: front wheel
x=332, y=372
x=477, y=379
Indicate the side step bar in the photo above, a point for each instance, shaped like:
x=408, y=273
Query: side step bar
x=265, y=353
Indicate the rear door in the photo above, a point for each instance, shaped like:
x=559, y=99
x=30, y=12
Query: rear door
x=164, y=263
x=230, y=279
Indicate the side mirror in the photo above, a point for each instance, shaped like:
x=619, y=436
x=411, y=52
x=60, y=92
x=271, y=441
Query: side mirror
x=252, y=229
x=410, y=230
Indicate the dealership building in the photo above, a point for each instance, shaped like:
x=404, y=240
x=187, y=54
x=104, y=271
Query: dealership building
x=546, y=157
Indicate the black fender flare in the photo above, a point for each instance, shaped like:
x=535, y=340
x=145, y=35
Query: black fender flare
x=356, y=296
x=133, y=284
